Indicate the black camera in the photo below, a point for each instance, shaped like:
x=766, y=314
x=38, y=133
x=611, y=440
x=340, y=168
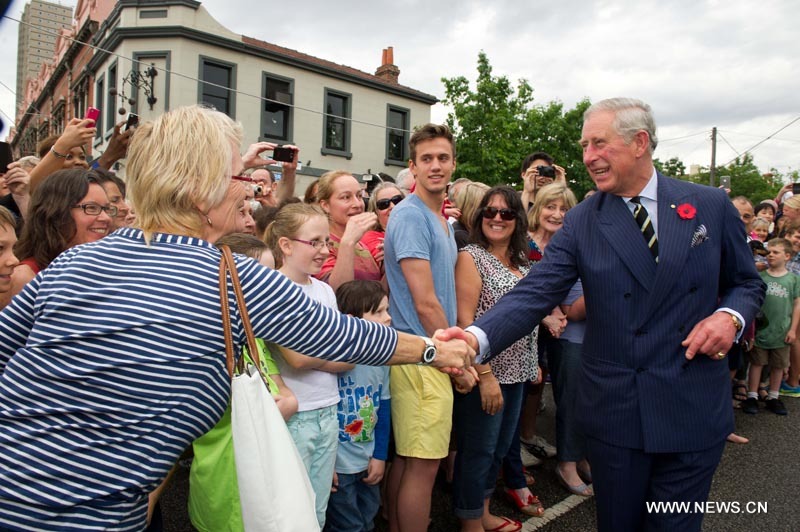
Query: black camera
x=258, y=191
x=546, y=171
x=283, y=154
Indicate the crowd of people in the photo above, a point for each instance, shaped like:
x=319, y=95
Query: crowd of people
x=112, y=359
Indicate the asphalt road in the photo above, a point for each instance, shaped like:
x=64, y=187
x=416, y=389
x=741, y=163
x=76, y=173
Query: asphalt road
x=761, y=478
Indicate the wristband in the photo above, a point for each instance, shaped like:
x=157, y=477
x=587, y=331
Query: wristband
x=54, y=152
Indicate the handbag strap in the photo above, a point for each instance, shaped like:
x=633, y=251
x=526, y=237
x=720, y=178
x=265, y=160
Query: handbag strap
x=227, y=265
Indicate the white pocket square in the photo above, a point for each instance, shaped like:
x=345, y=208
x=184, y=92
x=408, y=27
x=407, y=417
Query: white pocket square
x=700, y=235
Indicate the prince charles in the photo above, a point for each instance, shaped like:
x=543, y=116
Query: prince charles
x=669, y=282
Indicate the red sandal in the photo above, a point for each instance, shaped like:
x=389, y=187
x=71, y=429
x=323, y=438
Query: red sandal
x=516, y=526
x=532, y=506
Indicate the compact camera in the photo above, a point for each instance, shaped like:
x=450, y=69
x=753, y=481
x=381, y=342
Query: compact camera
x=546, y=171
x=258, y=190
x=283, y=154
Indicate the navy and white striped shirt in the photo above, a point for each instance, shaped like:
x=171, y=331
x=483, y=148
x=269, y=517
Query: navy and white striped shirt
x=112, y=361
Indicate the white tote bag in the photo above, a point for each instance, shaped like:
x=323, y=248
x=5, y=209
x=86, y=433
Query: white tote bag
x=274, y=490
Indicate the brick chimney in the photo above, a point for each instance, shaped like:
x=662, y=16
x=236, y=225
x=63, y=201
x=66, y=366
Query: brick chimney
x=388, y=71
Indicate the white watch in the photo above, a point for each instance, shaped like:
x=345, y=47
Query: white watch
x=429, y=353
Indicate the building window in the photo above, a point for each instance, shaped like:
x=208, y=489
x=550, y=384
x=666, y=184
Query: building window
x=397, y=125
x=276, y=119
x=217, y=85
x=153, y=13
x=99, y=95
x=336, y=136
x=112, y=84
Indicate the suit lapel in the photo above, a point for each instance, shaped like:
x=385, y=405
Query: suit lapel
x=617, y=224
x=674, y=241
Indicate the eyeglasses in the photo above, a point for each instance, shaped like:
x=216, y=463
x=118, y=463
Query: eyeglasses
x=93, y=209
x=316, y=244
x=505, y=214
x=383, y=204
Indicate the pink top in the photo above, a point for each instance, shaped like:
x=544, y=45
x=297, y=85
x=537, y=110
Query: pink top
x=364, y=264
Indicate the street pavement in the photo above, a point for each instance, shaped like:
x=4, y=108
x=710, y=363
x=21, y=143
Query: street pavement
x=760, y=478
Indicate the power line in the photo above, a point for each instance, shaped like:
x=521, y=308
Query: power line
x=192, y=78
x=728, y=143
x=683, y=137
x=757, y=144
x=758, y=136
x=9, y=88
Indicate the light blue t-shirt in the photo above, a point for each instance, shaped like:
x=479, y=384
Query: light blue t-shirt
x=416, y=232
x=360, y=390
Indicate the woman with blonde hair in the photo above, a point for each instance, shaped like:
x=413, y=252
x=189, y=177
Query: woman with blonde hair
x=545, y=219
x=467, y=200
x=113, y=358
x=339, y=195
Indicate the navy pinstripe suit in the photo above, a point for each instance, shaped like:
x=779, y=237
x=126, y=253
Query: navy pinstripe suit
x=637, y=389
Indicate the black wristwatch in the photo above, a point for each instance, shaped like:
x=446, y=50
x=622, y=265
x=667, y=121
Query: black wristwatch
x=429, y=353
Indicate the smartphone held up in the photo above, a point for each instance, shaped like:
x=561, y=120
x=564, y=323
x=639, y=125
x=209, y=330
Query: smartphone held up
x=92, y=114
x=6, y=156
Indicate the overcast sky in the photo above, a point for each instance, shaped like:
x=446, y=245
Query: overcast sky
x=731, y=64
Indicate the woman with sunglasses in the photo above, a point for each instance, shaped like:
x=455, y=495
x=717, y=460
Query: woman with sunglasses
x=69, y=208
x=384, y=198
x=485, y=418
x=339, y=195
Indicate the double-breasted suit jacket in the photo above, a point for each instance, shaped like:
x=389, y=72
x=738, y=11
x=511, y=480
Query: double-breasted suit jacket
x=637, y=388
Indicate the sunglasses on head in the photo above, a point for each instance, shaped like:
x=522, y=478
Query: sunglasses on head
x=383, y=204
x=505, y=214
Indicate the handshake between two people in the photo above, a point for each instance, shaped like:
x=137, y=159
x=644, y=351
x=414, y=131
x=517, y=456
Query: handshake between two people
x=456, y=350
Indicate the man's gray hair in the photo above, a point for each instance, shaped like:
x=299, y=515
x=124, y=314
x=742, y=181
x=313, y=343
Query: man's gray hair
x=631, y=116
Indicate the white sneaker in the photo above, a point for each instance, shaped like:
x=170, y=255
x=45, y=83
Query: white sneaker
x=528, y=460
x=540, y=447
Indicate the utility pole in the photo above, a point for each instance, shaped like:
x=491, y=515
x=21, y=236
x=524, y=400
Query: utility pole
x=712, y=172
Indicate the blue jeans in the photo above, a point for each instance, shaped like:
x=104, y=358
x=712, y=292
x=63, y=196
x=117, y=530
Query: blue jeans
x=482, y=441
x=316, y=435
x=354, y=505
x=565, y=366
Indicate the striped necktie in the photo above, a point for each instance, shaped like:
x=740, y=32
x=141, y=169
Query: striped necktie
x=645, y=225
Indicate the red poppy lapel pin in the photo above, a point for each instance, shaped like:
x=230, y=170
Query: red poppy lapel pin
x=686, y=211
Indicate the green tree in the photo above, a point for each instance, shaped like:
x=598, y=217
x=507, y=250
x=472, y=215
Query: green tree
x=496, y=126
x=487, y=123
x=674, y=167
x=746, y=179
x=551, y=129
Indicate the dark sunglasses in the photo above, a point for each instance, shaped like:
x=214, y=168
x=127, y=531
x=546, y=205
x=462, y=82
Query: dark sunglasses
x=505, y=214
x=383, y=204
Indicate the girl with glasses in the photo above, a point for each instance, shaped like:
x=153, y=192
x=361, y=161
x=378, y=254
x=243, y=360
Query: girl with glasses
x=299, y=238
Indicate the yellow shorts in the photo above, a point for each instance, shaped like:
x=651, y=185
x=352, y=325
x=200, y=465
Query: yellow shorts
x=422, y=411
